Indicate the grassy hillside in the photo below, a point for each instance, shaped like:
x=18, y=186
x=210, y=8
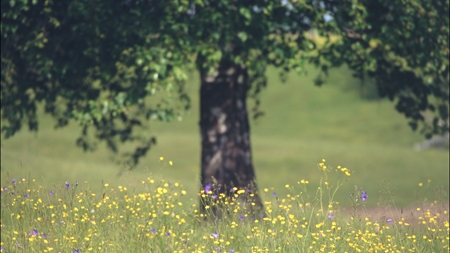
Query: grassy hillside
x=302, y=125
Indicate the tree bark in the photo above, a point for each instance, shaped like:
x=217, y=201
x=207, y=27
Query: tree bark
x=226, y=158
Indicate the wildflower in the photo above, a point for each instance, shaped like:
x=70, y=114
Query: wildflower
x=364, y=196
x=153, y=230
x=44, y=235
x=5, y=188
x=242, y=218
x=67, y=185
x=215, y=235
x=12, y=193
x=231, y=251
x=274, y=194
x=2, y=249
x=51, y=192
x=76, y=251
x=168, y=234
x=330, y=215
x=26, y=195
x=218, y=249
x=207, y=188
x=389, y=220
x=13, y=181
x=35, y=232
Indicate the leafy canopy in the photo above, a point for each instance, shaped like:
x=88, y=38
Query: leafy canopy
x=111, y=65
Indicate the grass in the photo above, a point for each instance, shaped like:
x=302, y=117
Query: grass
x=302, y=125
x=158, y=216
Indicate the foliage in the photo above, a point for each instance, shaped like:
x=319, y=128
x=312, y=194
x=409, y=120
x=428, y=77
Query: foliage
x=403, y=45
x=93, y=62
x=108, y=66
x=156, y=217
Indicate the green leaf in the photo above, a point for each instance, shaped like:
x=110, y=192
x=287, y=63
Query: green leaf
x=246, y=13
x=243, y=36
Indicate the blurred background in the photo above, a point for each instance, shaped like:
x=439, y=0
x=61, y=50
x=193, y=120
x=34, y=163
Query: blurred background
x=342, y=121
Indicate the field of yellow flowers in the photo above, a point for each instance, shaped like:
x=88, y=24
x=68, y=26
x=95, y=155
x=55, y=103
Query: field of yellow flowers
x=155, y=216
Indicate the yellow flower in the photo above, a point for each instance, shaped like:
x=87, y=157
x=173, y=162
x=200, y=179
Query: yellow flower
x=161, y=158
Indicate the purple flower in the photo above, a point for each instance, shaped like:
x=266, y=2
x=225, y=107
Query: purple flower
x=242, y=218
x=76, y=251
x=2, y=249
x=35, y=232
x=153, y=230
x=218, y=248
x=67, y=185
x=274, y=193
x=330, y=215
x=12, y=193
x=215, y=235
x=207, y=188
x=44, y=235
x=214, y=196
x=52, y=192
x=13, y=181
x=389, y=220
x=231, y=251
x=364, y=196
x=168, y=234
x=26, y=195
x=5, y=188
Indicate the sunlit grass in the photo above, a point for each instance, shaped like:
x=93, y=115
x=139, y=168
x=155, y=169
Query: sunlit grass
x=157, y=216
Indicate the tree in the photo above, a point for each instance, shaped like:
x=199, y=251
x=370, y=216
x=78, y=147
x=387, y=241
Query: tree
x=110, y=66
x=404, y=46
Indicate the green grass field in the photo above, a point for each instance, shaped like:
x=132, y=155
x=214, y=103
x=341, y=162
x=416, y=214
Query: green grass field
x=157, y=218
x=303, y=124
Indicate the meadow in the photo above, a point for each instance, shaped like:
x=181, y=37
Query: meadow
x=155, y=217
x=66, y=200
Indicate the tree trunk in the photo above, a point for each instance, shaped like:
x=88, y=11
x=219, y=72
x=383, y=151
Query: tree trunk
x=226, y=152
